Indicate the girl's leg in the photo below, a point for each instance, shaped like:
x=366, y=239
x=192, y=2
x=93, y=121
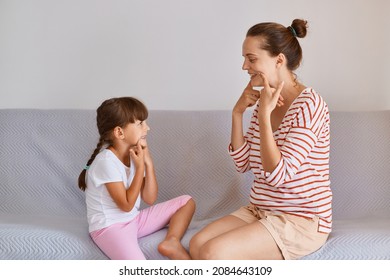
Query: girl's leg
x=171, y=246
x=177, y=213
x=119, y=241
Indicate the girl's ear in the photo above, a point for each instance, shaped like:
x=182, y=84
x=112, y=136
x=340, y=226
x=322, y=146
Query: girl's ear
x=118, y=133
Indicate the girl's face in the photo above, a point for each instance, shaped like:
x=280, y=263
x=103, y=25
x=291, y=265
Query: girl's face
x=136, y=132
x=258, y=60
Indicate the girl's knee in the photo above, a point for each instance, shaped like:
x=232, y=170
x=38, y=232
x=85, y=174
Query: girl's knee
x=186, y=199
x=188, y=203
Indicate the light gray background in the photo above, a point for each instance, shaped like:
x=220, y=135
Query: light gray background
x=182, y=54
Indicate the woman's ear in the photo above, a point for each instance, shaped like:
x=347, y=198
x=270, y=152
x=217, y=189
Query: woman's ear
x=280, y=60
x=118, y=133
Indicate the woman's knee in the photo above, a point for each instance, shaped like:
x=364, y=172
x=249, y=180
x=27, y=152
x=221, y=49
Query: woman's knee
x=201, y=248
x=194, y=246
x=210, y=251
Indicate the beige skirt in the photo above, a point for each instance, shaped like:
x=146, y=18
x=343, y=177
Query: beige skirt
x=295, y=236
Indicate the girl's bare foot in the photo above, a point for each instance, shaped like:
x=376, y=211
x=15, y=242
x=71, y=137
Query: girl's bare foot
x=173, y=249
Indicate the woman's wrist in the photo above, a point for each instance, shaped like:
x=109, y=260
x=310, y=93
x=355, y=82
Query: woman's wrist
x=237, y=114
x=264, y=117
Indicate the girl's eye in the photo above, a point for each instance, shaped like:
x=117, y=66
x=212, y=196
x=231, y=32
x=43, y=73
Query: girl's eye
x=141, y=122
x=252, y=60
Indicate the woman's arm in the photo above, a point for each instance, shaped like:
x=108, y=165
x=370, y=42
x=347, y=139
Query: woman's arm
x=247, y=99
x=270, y=153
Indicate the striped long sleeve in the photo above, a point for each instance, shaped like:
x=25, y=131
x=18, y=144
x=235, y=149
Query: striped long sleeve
x=300, y=183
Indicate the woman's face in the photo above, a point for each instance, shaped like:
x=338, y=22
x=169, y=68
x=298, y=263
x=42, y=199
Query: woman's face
x=258, y=60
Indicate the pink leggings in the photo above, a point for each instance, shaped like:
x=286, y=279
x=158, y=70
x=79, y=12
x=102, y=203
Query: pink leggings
x=120, y=241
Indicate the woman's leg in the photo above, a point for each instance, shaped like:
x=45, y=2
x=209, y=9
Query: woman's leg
x=211, y=231
x=232, y=238
x=249, y=242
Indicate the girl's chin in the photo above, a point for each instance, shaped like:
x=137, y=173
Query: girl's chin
x=142, y=141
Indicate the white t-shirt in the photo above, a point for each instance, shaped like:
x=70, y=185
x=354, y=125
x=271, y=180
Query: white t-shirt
x=102, y=210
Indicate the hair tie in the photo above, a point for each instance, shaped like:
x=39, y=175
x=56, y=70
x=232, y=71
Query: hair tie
x=86, y=167
x=292, y=31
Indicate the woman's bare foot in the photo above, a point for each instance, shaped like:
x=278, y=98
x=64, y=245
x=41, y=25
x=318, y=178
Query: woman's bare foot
x=173, y=249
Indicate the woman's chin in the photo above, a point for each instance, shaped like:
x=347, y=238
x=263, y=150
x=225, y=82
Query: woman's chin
x=256, y=82
x=257, y=85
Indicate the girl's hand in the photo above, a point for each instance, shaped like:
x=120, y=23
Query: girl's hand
x=147, y=157
x=137, y=155
x=247, y=99
x=270, y=97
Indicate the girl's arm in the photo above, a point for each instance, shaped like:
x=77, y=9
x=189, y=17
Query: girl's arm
x=150, y=186
x=126, y=199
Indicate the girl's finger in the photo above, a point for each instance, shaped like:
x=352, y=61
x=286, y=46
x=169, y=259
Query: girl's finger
x=132, y=153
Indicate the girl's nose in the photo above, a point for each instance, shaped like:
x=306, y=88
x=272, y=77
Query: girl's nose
x=146, y=126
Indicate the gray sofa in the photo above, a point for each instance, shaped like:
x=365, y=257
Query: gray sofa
x=43, y=214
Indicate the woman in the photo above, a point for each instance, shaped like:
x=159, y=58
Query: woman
x=286, y=147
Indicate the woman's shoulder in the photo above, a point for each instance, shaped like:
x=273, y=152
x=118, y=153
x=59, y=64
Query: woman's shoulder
x=311, y=99
x=309, y=107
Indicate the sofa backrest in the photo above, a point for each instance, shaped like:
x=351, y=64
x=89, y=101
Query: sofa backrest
x=42, y=153
x=360, y=163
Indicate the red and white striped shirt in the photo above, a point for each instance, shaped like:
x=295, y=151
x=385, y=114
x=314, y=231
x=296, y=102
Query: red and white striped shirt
x=300, y=183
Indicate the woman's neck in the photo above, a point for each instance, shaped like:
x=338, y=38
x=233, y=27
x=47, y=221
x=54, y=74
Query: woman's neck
x=291, y=90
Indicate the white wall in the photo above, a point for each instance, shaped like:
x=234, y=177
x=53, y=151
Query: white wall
x=183, y=54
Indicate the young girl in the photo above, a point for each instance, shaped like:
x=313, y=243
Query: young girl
x=118, y=175
x=287, y=145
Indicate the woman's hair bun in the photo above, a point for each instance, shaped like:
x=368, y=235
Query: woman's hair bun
x=300, y=27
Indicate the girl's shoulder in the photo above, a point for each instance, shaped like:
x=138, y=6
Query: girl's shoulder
x=105, y=156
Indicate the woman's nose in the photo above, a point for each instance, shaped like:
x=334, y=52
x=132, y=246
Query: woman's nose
x=245, y=65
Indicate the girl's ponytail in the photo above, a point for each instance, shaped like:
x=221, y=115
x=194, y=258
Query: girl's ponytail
x=82, y=183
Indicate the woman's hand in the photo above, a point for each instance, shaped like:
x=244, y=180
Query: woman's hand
x=270, y=97
x=247, y=99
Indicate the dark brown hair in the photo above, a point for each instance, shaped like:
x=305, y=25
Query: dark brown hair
x=277, y=39
x=112, y=113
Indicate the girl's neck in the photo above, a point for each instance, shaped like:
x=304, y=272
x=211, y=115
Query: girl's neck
x=121, y=153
